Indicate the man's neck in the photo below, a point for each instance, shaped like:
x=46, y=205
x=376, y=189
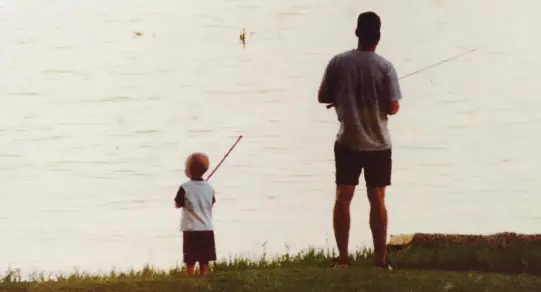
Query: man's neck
x=197, y=178
x=370, y=49
x=366, y=48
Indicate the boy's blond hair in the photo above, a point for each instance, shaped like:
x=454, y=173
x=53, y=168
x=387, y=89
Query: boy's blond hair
x=196, y=165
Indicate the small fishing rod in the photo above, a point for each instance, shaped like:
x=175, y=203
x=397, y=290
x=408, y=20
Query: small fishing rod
x=432, y=66
x=225, y=156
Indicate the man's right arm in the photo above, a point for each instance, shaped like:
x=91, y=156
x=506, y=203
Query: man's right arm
x=393, y=91
x=327, y=88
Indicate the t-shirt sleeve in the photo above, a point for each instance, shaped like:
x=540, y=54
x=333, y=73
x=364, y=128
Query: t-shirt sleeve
x=393, y=85
x=330, y=82
x=179, y=198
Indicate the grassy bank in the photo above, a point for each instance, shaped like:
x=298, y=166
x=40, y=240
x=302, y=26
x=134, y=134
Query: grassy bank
x=309, y=271
x=523, y=258
x=502, y=252
x=296, y=279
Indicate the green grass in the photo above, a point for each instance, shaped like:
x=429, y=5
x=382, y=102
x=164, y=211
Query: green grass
x=516, y=258
x=308, y=271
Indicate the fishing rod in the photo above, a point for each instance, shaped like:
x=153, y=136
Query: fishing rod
x=225, y=156
x=433, y=65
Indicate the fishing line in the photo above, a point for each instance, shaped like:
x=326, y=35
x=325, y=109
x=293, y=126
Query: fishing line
x=434, y=65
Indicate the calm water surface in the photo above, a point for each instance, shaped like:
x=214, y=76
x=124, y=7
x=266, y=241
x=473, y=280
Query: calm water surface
x=95, y=124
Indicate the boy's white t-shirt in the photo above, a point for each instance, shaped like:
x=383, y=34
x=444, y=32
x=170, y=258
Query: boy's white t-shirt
x=197, y=209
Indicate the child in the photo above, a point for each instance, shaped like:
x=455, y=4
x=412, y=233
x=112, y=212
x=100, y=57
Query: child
x=196, y=198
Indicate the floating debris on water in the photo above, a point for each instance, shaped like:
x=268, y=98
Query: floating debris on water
x=243, y=37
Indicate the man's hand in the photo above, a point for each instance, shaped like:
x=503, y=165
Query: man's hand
x=393, y=108
x=392, y=92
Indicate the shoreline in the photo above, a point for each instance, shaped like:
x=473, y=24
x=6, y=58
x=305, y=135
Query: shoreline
x=503, y=262
x=305, y=271
x=418, y=251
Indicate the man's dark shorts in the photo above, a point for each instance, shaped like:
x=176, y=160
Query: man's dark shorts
x=350, y=163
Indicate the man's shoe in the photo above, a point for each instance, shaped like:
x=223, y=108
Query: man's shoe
x=338, y=265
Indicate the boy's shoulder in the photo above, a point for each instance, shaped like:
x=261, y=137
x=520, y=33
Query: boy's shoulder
x=196, y=183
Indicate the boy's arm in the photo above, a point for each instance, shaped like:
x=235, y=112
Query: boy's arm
x=179, y=199
x=393, y=91
x=327, y=88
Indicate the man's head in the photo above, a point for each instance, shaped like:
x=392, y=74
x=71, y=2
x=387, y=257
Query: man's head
x=196, y=165
x=368, y=29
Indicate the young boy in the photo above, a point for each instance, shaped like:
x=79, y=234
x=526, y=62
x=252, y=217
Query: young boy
x=196, y=198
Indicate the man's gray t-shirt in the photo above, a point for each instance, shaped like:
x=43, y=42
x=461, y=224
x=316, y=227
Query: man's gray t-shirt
x=362, y=85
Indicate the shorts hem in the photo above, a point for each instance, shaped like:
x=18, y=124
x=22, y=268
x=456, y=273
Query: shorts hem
x=349, y=184
x=372, y=186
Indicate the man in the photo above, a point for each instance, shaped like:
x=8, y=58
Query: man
x=363, y=87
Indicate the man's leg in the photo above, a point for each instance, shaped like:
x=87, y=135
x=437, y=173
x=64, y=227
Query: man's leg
x=341, y=220
x=348, y=170
x=378, y=175
x=378, y=224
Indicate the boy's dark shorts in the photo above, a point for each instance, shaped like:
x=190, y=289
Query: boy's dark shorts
x=198, y=246
x=349, y=164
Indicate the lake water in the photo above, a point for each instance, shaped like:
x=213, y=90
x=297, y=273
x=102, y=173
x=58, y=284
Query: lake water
x=95, y=124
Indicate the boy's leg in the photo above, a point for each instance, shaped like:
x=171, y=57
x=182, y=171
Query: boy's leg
x=378, y=177
x=190, y=269
x=188, y=252
x=203, y=268
x=208, y=251
x=348, y=166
